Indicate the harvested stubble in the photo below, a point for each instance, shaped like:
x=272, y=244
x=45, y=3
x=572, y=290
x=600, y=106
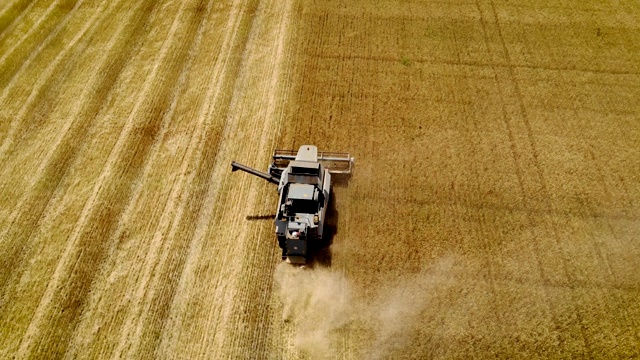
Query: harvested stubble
x=494, y=210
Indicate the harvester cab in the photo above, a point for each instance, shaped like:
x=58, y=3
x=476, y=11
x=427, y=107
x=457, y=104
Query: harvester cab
x=304, y=184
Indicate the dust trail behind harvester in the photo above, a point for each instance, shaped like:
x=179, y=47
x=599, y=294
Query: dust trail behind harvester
x=317, y=302
x=321, y=305
x=395, y=312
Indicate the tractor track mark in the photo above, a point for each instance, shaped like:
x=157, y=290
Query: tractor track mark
x=39, y=92
x=240, y=120
x=16, y=22
x=272, y=100
x=199, y=210
x=54, y=170
x=151, y=265
x=8, y=15
x=39, y=191
x=132, y=138
x=159, y=302
x=520, y=174
x=536, y=164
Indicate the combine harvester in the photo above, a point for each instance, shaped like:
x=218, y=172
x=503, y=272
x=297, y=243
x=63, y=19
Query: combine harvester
x=304, y=184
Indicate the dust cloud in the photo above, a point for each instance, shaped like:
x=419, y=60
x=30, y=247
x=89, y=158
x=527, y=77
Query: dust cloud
x=321, y=305
x=395, y=311
x=317, y=302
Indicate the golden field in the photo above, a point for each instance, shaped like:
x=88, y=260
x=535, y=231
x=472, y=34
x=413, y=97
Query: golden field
x=494, y=210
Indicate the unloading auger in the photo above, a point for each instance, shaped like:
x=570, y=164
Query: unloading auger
x=304, y=184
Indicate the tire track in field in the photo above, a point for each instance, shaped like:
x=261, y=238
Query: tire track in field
x=509, y=88
x=66, y=293
x=149, y=323
x=222, y=228
x=543, y=187
x=103, y=80
x=8, y=15
x=34, y=30
x=254, y=270
x=110, y=69
x=514, y=150
x=520, y=169
x=42, y=88
x=198, y=210
x=22, y=222
x=129, y=343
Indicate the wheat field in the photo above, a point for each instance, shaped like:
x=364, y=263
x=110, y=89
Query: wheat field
x=493, y=212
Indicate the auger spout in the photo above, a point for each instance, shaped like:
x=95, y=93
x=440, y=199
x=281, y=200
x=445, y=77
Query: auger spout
x=272, y=179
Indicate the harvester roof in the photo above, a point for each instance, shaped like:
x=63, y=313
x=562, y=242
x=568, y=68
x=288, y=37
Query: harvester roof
x=301, y=191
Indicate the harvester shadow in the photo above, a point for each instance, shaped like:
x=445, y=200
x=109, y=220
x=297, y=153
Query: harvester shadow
x=260, y=217
x=340, y=180
x=321, y=251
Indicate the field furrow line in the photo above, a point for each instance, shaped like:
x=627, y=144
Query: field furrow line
x=19, y=120
x=12, y=13
x=82, y=232
x=104, y=79
x=107, y=70
x=37, y=28
x=233, y=342
x=154, y=258
x=207, y=157
x=33, y=29
x=233, y=234
x=8, y=5
x=140, y=327
x=51, y=162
